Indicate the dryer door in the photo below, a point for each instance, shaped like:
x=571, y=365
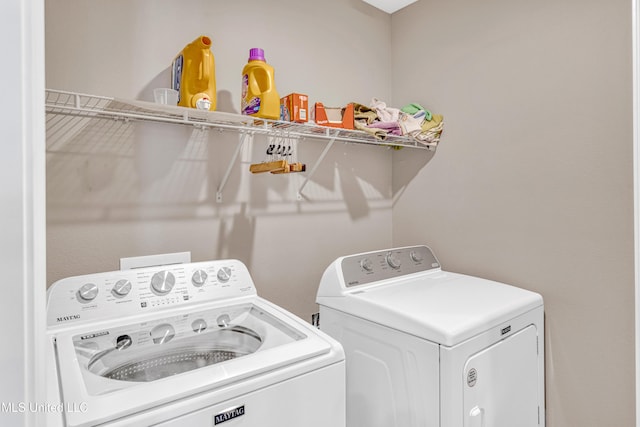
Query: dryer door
x=501, y=383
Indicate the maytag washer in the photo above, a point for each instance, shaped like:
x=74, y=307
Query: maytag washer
x=429, y=348
x=184, y=345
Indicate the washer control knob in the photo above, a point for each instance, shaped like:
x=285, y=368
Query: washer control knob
x=199, y=278
x=162, y=282
x=223, y=320
x=393, y=261
x=162, y=333
x=88, y=292
x=416, y=256
x=123, y=341
x=198, y=325
x=366, y=264
x=224, y=274
x=121, y=288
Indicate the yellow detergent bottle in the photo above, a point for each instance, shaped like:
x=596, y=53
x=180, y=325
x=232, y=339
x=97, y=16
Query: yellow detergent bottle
x=259, y=95
x=193, y=75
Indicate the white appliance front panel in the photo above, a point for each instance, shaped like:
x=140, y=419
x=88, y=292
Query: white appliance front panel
x=291, y=403
x=454, y=366
x=501, y=383
x=392, y=377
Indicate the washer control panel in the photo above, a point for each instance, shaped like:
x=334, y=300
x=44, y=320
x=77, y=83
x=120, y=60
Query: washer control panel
x=392, y=263
x=129, y=292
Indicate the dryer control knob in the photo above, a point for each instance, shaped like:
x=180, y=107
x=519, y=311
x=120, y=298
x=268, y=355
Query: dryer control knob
x=162, y=282
x=162, y=333
x=366, y=264
x=199, y=278
x=416, y=256
x=224, y=274
x=121, y=288
x=393, y=261
x=88, y=292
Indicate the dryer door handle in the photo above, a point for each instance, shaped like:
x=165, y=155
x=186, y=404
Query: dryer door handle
x=476, y=417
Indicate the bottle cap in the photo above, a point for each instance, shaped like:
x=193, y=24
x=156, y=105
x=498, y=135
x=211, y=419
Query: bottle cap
x=256, y=54
x=203, y=104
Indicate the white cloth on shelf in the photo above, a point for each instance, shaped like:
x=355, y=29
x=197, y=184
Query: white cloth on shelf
x=385, y=114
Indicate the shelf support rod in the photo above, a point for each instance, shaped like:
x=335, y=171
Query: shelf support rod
x=225, y=178
x=315, y=166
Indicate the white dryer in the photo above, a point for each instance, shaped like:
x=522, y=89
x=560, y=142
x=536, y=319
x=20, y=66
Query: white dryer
x=429, y=348
x=185, y=345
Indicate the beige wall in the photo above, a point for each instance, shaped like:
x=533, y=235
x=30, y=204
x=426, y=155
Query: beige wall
x=116, y=190
x=532, y=183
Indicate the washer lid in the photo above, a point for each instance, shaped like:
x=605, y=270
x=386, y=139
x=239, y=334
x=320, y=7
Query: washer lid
x=446, y=308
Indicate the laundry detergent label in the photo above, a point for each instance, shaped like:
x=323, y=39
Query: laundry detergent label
x=176, y=74
x=251, y=106
x=245, y=86
x=228, y=415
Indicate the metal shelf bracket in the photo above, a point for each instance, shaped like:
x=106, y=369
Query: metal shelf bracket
x=225, y=178
x=317, y=163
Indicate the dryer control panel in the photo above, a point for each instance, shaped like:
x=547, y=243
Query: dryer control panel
x=387, y=264
x=128, y=292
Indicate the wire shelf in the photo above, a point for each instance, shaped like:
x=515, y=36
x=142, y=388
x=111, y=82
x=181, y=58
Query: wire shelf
x=100, y=107
x=69, y=112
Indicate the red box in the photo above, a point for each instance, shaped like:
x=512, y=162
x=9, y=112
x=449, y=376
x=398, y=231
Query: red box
x=337, y=117
x=294, y=108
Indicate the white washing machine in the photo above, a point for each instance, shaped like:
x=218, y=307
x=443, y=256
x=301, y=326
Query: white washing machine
x=429, y=348
x=185, y=345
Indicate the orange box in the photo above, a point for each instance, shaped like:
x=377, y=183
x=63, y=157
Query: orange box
x=336, y=117
x=294, y=108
